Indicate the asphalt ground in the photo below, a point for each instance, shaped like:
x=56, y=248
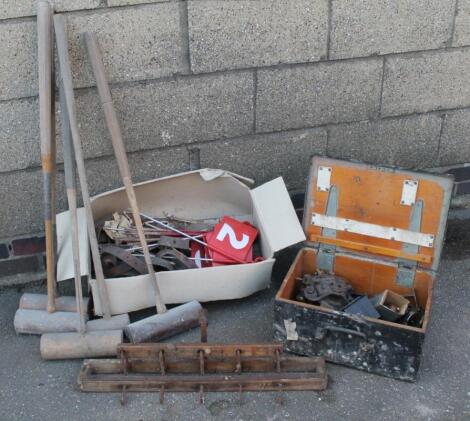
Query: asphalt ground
x=33, y=389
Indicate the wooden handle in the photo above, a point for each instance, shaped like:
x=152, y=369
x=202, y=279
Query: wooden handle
x=66, y=79
x=120, y=153
x=70, y=184
x=45, y=59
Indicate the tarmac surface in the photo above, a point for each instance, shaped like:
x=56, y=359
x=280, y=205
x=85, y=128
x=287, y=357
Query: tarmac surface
x=32, y=389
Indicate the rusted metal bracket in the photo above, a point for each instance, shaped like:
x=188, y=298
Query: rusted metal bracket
x=202, y=368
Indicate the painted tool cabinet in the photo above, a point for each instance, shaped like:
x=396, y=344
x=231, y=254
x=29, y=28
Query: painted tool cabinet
x=378, y=228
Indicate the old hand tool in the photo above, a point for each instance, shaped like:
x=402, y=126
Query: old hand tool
x=38, y=313
x=83, y=344
x=165, y=323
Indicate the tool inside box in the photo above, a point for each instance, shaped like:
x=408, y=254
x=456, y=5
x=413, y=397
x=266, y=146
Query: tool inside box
x=366, y=276
x=377, y=228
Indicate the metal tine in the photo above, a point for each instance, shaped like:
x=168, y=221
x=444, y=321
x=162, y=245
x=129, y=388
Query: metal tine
x=161, y=359
x=238, y=369
x=162, y=394
x=280, y=395
x=203, y=325
x=278, y=361
x=201, y=362
x=201, y=394
x=123, y=397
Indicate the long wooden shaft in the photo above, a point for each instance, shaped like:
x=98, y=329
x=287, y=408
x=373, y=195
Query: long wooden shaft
x=45, y=58
x=120, y=153
x=70, y=185
x=66, y=78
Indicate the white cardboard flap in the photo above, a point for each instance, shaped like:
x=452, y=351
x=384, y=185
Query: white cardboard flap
x=275, y=216
x=65, y=269
x=202, y=194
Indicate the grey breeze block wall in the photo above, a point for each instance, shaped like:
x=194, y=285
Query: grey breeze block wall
x=258, y=86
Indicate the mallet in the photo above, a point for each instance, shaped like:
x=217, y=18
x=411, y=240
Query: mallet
x=165, y=323
x=82, y=344
x=39, y=313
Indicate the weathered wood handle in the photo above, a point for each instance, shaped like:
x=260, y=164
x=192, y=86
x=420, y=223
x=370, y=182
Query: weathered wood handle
x=66, y=79
x=120, y=153
x=70, y=184
x=45, y=54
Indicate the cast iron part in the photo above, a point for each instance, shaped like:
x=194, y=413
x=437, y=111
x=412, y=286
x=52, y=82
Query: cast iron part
x=413, y=317
x=325, y=290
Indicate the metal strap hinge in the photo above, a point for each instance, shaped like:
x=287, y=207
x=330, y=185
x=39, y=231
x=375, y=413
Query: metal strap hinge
x=406, y=271
x=326, y=252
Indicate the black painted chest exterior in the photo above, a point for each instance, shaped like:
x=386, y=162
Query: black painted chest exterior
x=378, y=228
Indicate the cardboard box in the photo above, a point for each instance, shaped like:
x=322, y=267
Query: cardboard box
x=203, y=194
x=379, y=229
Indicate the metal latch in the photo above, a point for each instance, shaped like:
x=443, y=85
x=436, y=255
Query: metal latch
x=408, y=193
x=324, y=179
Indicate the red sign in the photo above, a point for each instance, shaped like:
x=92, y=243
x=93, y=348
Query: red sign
x=231, y=241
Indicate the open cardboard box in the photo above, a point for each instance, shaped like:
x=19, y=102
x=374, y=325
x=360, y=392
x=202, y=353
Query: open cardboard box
x=201, y=194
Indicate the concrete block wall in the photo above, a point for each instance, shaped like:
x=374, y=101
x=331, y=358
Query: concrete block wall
x=258, y=86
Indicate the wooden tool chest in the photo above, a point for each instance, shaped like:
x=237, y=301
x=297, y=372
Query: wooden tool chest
x=379, y=229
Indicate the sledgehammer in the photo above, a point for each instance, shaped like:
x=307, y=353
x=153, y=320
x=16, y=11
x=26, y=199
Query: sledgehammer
x=80, y=344
x=165, y=323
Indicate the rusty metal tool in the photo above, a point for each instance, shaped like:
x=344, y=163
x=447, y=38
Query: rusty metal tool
x=165, y=323
x=197, y=240
x=203, y=368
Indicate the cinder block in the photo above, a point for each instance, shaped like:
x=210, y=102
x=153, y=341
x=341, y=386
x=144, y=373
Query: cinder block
x=405, y=142
x=244, y=33
x=455, y=144
x=18, y=58
x=136, y=43
x=426, y=82
x=310, y=95
x=103, y=173
x=264, y=157
x=369, y=27
x=20, y=8
x=19, y=134
x=21, y=197
x=22, y=193
x=462, y=24
x=170, y=113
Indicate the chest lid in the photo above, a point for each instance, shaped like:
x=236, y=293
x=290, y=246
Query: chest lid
x=383, y=213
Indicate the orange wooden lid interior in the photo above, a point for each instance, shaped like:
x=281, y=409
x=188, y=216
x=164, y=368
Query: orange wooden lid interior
x=373, y=195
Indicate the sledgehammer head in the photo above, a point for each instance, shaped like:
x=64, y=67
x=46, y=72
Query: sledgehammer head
x=61, y=346
x=37, y=322
x=161, y=326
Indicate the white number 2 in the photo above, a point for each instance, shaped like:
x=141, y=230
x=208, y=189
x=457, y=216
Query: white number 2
x=236, y=244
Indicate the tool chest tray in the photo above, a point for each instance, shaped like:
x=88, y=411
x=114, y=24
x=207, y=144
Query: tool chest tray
x=379, y=229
